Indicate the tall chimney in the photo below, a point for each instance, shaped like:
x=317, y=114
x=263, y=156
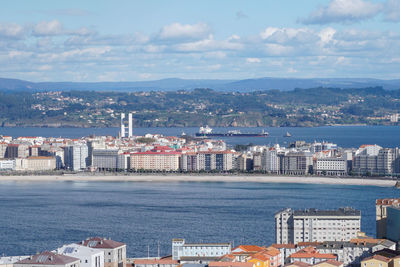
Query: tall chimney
x=122, y=125
x=130, y=125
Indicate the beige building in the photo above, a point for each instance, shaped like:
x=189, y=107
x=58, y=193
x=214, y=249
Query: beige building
x=35, y=163
x=48, y=259
x=381, y=214
x=162, y=161
x=114, y=252
x=376, y=261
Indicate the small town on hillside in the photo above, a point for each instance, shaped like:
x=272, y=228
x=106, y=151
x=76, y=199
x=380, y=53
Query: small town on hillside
x=158, y=153
x=303, y=238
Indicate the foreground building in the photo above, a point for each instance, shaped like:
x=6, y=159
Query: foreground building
x=381, y=214
x=312, y=225
x=114, y=252
x=48, y=258
x=198, y=252
x=89, y=257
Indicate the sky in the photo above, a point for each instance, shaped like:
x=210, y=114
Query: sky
x=93, y=41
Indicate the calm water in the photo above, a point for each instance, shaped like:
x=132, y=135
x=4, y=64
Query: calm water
x=344, y=136
x=43, y=215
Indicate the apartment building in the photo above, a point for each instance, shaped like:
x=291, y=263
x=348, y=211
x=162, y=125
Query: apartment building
x=153, y=160
x=75, y=157
x=296, y=163
x=330, y=166
x=207, y=161
x=381, y=214
x=312, y=225
x=105, y=159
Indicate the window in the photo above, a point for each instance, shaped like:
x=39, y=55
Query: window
x=86, y=261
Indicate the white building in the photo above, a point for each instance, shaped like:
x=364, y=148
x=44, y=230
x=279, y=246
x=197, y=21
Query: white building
x=270, y=160
x=76, y=157
x=10, y=260
x=7, y=165
x=330, y=166
x=89, y=257
x=312, y=225
x=198, y=252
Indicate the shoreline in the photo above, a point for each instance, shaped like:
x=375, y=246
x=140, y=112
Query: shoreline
x=201, y=178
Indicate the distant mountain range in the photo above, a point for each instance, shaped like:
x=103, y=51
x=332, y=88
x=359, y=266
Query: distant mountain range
x=172, y=84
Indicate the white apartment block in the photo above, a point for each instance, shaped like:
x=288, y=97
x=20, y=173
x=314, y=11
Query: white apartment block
x=270, y=160
x=330, y=166
x=7, y=165
x=114, y=252
x=75, y=157
x=312, y=225
x=194, y=252
x=89, y=257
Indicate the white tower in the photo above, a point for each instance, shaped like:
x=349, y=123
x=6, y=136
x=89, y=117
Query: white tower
x=130, y=125
x=122, y=125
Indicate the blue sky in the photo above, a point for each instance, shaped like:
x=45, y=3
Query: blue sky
x=215, y=39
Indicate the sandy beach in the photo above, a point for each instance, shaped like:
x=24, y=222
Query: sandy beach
x=204, y=178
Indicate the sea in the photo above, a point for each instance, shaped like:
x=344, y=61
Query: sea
x=38, y=216
x=344, y=136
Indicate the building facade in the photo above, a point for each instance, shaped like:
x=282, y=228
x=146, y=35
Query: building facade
x=311, y=225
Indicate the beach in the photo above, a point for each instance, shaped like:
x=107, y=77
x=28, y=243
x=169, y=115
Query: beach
x=203, y=178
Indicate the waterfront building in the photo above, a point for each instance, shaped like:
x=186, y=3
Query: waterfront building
x=75, y=157
x=296, y=163
x=336, y=166
x=3, y=150
x=381, y=214
x=105, y=159
x=374, y=160
x=7, y=165
x=40, y=163
x=270, y=160
x=152, y=160
x=198, y=252
x=312, y=225
x=48, y=258
x=207, y=161
x=244, y=162
x=114, y=252
x=89, y=257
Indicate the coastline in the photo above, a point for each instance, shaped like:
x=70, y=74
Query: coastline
x=201, y=178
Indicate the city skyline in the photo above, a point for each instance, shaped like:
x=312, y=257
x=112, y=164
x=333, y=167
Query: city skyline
x=137, y=40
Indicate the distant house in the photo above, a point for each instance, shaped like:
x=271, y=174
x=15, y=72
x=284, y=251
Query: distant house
x=48, y=258
x=89, y=257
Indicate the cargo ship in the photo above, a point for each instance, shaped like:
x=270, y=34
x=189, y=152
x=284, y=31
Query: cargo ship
x=208, y=132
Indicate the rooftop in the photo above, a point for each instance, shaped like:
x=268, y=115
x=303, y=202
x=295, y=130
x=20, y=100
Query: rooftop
x=338, y=212
x=48, y=258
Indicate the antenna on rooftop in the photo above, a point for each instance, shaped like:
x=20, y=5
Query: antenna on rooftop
x=148, y=252
x=158, y=248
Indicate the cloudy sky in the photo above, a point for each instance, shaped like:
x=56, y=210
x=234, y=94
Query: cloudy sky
x=216, y=39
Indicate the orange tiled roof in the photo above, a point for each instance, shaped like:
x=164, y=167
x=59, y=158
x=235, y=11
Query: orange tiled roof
x=311, y=252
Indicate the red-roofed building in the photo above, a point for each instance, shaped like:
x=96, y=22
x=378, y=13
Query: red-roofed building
x=311, y=256
x=230, y=264
x=48, y=258
x=114, y=252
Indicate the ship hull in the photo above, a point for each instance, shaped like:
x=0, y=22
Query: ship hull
x=231, y=135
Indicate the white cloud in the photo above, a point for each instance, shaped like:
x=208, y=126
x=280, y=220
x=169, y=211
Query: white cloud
x=208, y=45
x=253, y=60
x=344, y=11
x=12, y=30
x=48, y=28
x=177, y=31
